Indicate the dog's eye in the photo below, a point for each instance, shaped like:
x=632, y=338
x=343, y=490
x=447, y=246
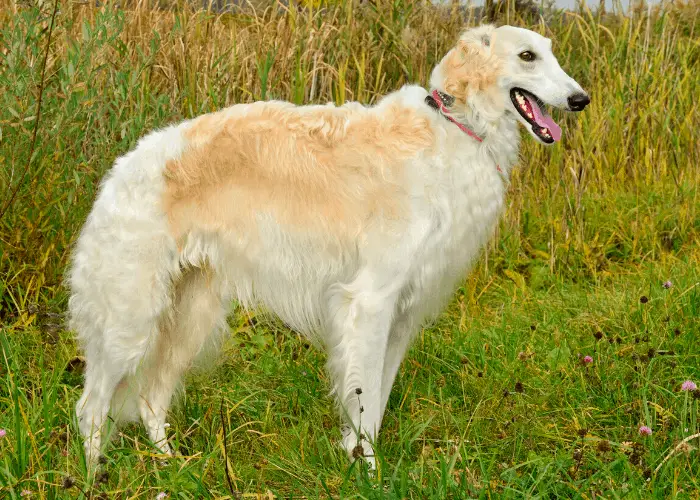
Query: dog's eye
x=527, y=56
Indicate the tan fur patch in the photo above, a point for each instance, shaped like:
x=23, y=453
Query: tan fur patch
x=311, y=168
x=468, y=69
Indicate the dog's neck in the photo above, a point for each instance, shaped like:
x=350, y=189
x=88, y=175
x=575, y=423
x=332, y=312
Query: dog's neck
x=496, y=131
x=441, y=102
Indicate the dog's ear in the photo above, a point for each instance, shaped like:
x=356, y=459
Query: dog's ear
x=481, y=35
x=469, y=67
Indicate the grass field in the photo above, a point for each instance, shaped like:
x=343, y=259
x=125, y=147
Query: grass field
x=558, y=347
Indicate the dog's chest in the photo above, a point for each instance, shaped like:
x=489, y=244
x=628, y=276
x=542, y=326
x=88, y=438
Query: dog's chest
x=465, y=207
x=474, y=207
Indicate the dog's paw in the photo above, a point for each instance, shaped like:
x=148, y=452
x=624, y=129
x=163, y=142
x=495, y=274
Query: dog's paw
x=359, y=449
x=165, y=449
x=166, y=454
x=93, y=455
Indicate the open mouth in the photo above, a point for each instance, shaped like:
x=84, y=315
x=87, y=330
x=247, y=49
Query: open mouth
x=531, y=108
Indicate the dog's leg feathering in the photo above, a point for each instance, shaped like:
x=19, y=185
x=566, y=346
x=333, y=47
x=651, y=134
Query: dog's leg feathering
x=198, y=311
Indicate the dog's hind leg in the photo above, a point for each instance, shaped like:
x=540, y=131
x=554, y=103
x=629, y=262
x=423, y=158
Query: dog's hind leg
x=102, y=376
x=112, y=355
x=360, y=323
x=198, y=311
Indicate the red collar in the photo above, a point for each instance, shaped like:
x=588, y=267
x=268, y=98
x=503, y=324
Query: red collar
x=446, y=113
x=438, y=101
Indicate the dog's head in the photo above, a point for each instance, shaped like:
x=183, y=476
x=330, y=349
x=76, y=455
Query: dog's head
x=507, y=71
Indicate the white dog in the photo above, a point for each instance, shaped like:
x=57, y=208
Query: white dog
x=353, y=224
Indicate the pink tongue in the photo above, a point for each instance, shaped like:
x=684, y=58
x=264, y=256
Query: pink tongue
x=544, y=120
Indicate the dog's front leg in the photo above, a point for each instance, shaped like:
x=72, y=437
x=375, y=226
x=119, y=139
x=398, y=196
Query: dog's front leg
x=361, y=317
x=403, y=331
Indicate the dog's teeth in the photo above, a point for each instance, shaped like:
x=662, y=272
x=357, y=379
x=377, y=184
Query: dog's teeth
x=529, y=115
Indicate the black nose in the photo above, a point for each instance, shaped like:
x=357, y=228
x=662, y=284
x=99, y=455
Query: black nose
x=578, y=101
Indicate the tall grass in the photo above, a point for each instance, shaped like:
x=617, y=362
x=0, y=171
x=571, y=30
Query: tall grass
x=114, y=74
x=591, y=224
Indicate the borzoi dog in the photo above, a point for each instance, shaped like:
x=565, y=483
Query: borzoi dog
x=352, y=224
